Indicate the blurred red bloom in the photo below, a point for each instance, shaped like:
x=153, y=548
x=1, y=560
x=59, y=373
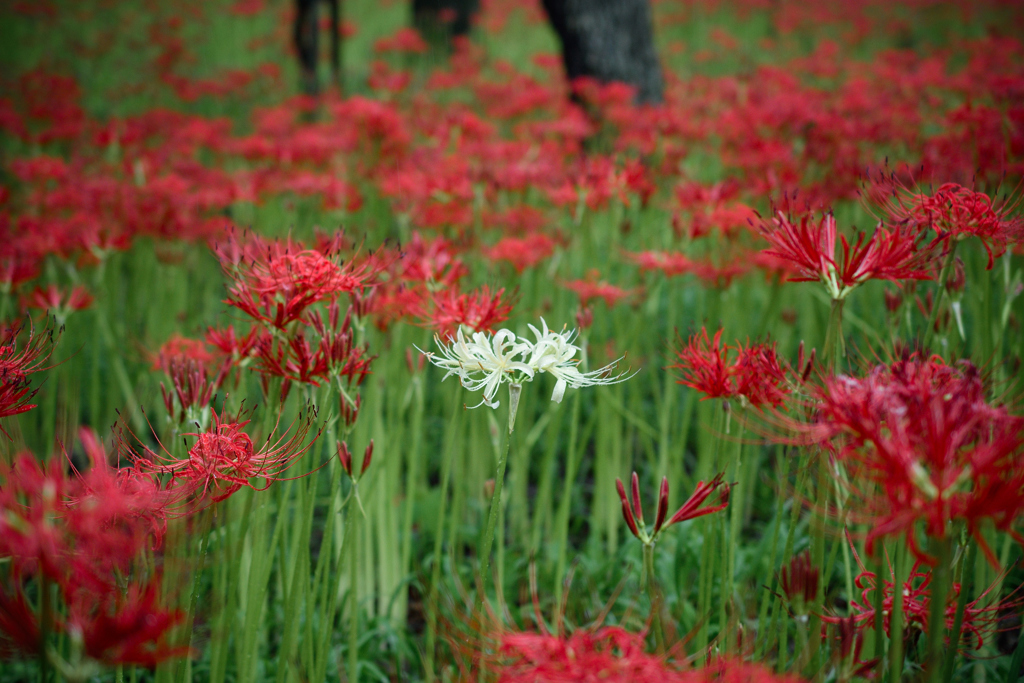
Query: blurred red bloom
x=921, y=444
x=86, y=533
x=17, y=362
x=57, y=302
x=955, y=212
x=590, y=287
x=522, y=252
x=479, y=310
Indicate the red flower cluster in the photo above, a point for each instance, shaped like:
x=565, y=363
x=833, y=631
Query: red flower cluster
x=17, y=362
x=922, y=444
x=223, y=458
x=694, y=507
x=955, y=212
x=88, y=534
x=979, y=614
x=756, y=373
x=809, y=244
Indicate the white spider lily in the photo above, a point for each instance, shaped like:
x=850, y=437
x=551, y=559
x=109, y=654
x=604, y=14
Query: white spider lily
x=554, y=353
x=484, y=362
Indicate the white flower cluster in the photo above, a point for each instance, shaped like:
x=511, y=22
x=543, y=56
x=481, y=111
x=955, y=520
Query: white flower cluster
x=486, y=361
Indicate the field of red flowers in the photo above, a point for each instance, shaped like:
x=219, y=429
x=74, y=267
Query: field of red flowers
x=381, y=385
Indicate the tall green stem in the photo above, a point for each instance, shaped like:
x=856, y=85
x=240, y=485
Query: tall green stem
x=654, y=592
x=937, y=620
x=353, y=592
x=499, y=479
x=966, y=587
x=435, y=570
x=929, y=331
x=566, y=502
x=835, y=344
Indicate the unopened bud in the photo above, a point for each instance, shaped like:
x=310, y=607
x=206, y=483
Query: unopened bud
x=799, y=581
x=957, y=280
x=367, y=457
x=584, y=317
x=345, y=456
x=893, y=300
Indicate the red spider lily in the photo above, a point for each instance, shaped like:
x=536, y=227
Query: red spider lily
x=522, y=252
x=192, y=389
x=86, y=534
x=178, y=349
x=923, y=445
x=669, y=263
x=590, y=288
x=810, y=246
x=129, y=629
x=756, y=375
x=605, y=653
x=799, y=582
x=694, y=506
x=480, y=311
x=223, y=459
x=60, y=304
x=274, y=282
x=955, y=212
x=324, y=352
x=16, y=364
x=979, y=614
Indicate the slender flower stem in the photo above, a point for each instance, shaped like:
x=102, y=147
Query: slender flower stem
x=45, y=620
x=435, y=570
x=835, y=344
x=896, y=620
x=565, y=503
x=878, y=602
x=966, y=581
x=929, y=331
x=353, y=589
x=492, y=517
x=651, y=583
x=937, y=620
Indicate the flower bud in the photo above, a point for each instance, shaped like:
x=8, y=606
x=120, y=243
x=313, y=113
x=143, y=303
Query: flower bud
x=799, y=581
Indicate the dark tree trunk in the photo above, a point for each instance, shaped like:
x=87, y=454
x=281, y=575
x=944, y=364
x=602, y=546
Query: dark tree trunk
x=306, y=30
x=438, y=21
x=610, y=40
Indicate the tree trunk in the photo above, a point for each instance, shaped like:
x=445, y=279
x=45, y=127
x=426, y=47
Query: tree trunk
x=609, y=40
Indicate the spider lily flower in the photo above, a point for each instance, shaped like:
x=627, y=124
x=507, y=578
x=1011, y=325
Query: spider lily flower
x=17, y=362
x=694, y=507
x=799, y=581
x=555, y=353
x=810, y=245
x=484, y=362
x=923, y=447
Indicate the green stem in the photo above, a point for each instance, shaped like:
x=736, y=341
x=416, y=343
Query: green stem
x=937, y=620
x=929, y=331
x=878, y=601
x=353, y=603
x=650, y=581
x=45, y=621
x=896, y=620
x=835, y=344
x=492, y=517
x=565, y=504
x=204, y=542
x=435, y=570
x=966, y=576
